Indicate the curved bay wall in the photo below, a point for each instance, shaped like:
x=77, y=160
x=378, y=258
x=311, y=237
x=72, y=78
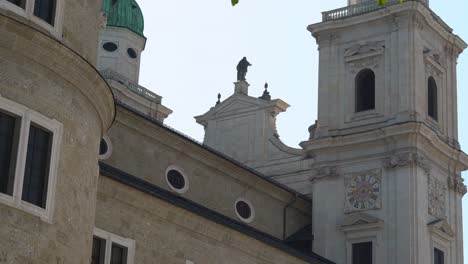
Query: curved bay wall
x=46, y=76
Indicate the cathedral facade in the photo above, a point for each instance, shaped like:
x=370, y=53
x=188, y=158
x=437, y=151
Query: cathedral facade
x=89, y=172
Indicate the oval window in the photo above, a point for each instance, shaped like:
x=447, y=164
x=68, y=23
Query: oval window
x=132, y=53
x=176, y=179
x=110, y=46
x=244, y=210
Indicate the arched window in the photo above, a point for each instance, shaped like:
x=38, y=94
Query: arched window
x=432, y=98
x=365, y=90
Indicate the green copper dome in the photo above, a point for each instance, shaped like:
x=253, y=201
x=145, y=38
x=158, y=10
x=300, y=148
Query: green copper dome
x=124, y=13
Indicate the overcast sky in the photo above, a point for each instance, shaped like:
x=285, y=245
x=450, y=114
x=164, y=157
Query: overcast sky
x=194, y=46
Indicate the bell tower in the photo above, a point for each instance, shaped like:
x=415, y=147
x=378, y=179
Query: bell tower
x=387, y=172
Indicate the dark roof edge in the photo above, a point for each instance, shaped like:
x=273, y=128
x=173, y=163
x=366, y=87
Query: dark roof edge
x=215, y=152
x=157, y=192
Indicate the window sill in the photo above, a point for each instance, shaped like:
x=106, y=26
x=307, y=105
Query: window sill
x=364, y=115
x=433, y=123
x=13, y=202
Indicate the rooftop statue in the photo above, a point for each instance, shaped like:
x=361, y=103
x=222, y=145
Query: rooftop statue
x=242, y=69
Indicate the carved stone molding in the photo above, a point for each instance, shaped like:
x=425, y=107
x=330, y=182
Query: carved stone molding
x=407, y=159
x=456, y=184
x=359, y=49
x=325, y=172
x=436, y=192
x=442, y=229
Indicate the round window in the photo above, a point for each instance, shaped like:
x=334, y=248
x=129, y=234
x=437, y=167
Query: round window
x=105, y=148
x=176, y=179
x=132, y=53
x=244, y=210
x=110, y=46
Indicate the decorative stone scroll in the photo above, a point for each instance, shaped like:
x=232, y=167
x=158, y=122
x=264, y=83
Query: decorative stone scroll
x=436, y=191
x=406, y=159
x=325, y=172
x=456, y=184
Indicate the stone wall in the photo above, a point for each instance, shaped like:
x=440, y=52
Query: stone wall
x=167, y=234
x=145, y=150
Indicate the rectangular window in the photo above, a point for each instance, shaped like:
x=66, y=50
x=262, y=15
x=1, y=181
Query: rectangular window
x=438, y=256
x=45, y=10
x=36, y=175
x=362, y=253
x=99, y=251
x=9, y=134
x=20, y=3
x=111, y=249
x=29, y=145
x=118, y=254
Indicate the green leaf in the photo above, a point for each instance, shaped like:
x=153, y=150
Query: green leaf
x=234, y=2
x=381, y=2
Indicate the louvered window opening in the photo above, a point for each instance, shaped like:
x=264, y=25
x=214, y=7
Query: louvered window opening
x=439, y=257
x=432, y=98
x=362, y=253
x=365, y=90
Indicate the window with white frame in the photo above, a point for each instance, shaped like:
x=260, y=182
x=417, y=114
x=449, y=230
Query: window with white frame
x=29, y=145
x=111, y=249
x=46, y=13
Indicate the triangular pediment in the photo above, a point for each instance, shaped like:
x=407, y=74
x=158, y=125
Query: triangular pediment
x=239, y=104
x=442, y=228
x=236, y=105
x=360, y=221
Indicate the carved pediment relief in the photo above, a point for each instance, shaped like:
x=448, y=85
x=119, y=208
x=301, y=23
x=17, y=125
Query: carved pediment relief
x=325, y=172
x=369, y=48
x=405, y=159
x=442, y=229
x=360, y=222
x=456, y=184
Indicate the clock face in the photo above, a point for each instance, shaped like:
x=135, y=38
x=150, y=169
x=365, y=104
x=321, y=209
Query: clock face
x=363, y=192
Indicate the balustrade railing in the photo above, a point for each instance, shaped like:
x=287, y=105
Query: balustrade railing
x=136, y=88
x=358, y=9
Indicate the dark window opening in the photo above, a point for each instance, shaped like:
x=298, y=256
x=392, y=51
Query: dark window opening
x=438, y=256
x=36, y=176
x=132, y=53
x=9, y=136
x=118, y=254
x=432, y=98
x=20, y=3
x=243, y=209
x=110, y=46
x=362, y=253
x=45, y=10
x=176, y=179
x=103, y=147
x=99, y=251
x=365, y=90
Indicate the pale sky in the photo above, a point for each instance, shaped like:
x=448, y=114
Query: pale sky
x=194, y=46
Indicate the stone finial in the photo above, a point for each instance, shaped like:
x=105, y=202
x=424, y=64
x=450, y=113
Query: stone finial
x=266, y=94
x=219, y=99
